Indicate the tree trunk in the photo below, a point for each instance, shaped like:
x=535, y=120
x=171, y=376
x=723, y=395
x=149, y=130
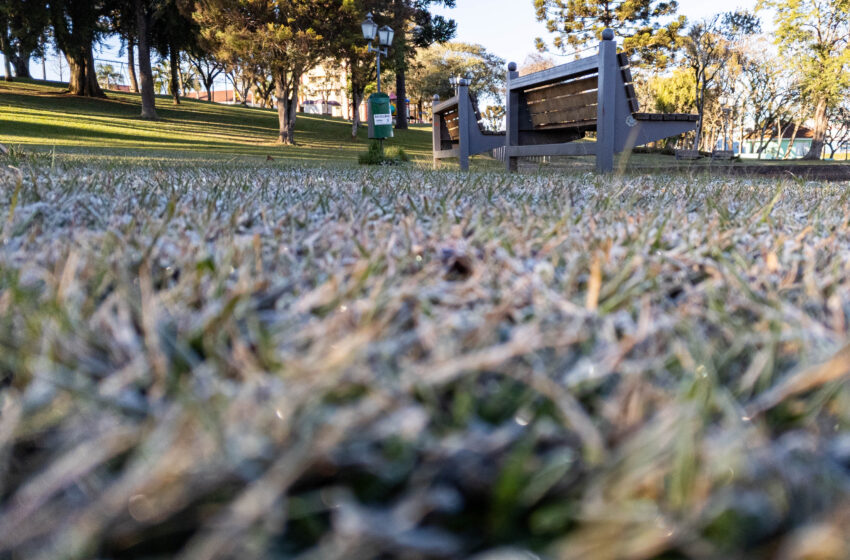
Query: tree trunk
x=8, y=68
x=208, y=87
x=286, y=133
x=818, y=134
x=21, y=64
x=92, y=88
x=356, y=99
x=77, y=75
x=4, y=49
x=145, y=73
x=400, y=100
x=174, y=83
x=791, y=142
x=293, y=104
x=131, y=65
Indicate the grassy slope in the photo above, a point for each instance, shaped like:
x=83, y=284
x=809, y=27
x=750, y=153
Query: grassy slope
x=34, y=113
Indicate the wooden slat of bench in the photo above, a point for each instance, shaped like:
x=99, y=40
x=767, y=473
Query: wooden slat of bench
x=575, y=69
x=665, y=117
x=450, y=118
x=565, y=116
x=631, y=95
x=561, y=90
x=626, y=71
x=564, y=103
x=588, y=124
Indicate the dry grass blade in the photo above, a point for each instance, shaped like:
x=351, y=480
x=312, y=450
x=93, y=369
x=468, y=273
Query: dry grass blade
x=834, y=369
x=281, y=361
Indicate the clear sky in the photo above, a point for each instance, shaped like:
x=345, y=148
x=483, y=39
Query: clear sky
x=507, y=28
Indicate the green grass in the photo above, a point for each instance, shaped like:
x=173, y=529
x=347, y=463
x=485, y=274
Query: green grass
x=39, y=115
x=290, y=361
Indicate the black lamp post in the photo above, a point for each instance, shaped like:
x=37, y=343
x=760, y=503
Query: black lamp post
x=385, y=36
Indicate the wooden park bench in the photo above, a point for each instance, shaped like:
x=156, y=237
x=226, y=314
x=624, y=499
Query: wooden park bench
x=722, y=155
x=548, y=111
x=457, y=129
x=688, y=154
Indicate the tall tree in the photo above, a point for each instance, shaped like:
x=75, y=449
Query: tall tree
x=415, y=28
x=814, y=38
x=281, y=36
x=350, y=50
x=175, y=32
x=144, y=16
x=708, y=47
x=23, y=26
x=77, y=25
x=123, y=23
x=648, y=28
x=207, y=67
x=771, y=93
x=433, y=67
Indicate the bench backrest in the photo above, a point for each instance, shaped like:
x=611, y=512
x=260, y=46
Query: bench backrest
x=566, y=96
x=450, y=121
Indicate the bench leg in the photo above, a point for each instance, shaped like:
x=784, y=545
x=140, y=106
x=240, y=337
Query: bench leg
x=511, y=163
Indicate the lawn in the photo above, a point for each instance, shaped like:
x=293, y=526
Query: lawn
x=38, y=114
x=252, y=360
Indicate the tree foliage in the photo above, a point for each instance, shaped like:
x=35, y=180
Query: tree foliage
x=283, y=37
x=813, y=37
x=648, y=28
x=416, y=27
x=23, y=26
x=433, y=67
x=77, y=25
x=708, y=47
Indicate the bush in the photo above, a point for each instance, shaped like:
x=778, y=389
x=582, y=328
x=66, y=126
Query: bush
x=375, y=156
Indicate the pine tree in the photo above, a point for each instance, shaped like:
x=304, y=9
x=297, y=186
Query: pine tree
x=415, y=28
x=648, y=28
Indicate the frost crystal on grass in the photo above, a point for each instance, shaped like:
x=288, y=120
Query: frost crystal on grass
x=333, y=363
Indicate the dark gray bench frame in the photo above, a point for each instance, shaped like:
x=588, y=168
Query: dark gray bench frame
x=615, y=116
x=457, y=131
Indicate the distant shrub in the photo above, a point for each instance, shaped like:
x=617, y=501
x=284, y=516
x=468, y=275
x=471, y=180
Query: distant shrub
x=375, y=156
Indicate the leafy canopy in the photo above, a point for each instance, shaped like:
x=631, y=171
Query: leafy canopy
x=813, y=37
x=648, y=28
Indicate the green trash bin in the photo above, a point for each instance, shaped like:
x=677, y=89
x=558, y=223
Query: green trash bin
x=380, y=116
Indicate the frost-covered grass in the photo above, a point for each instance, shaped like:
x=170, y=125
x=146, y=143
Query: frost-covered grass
x=270, y=362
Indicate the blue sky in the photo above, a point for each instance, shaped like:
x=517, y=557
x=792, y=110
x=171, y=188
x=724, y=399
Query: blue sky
x=508, y=28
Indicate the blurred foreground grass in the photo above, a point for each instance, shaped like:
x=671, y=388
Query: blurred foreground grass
x=291, y=362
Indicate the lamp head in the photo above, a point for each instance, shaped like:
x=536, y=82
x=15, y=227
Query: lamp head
x=385, y=36
x=369, y=27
